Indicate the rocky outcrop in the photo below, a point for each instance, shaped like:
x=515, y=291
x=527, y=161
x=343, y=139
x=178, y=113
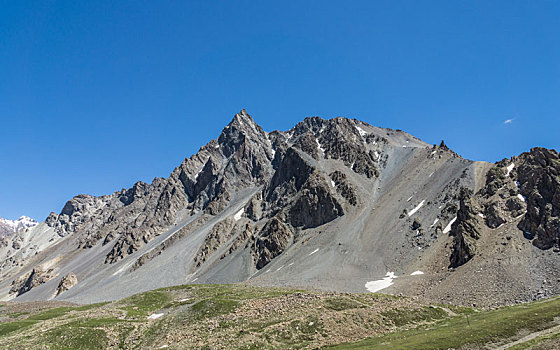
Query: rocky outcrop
x=464, y=231
x=67, y=282
x=344, y=187
x=220, y=233
x=340, y=140
x=36, y=277
x=539, y=179
x=273, y=239
x=315, y=205
x=308, y=144
x=524, y=188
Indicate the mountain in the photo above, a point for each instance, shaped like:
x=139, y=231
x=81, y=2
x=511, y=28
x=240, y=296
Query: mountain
x=330, y=204
x=10, y=226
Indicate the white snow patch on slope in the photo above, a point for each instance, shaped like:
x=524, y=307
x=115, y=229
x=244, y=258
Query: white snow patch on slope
x=510, y=168
x=154, y=316
x=448, y=227
x=409, y=198
x=435, y=222
x=361, y=131
x=481, y=215
x=319, y=146
x=415, y=273
x=126, y=266
x=333, y=184
x=237, y=215
x=410, y=213
x=374, y=286
x=313, y=252
x=522, y=197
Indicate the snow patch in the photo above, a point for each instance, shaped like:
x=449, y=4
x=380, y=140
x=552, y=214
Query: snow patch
x=481, y=215
x=237, y=215
x=521, y=197
x=374, y=286
x=361, y=131
x=434, y=152
x=435, y=222
x=313, y=252
x=319, y=146
x=415, y=273
x=510, y=168
x=409, y=198
x=126, y=266
x=432, y=173
x=447, y=228
x=410, y=213
x=333, y=184
x=154, y=316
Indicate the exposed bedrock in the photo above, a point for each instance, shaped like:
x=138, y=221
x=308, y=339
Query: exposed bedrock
x=464, y=231
x=273, y=239
x=539, y=178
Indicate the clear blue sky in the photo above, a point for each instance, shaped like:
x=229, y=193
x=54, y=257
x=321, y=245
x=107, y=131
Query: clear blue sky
x=96, y=95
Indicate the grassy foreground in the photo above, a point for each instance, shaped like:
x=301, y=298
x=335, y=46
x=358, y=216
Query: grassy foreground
x=244, y=317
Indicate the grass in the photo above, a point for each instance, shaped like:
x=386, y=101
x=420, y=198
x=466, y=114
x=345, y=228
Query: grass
x=226, y=316
x=90, y=306
x=145, y=303
x=9, y=327
x=485, y=327
x=537, y=341
x=339, y=304
x=404, y=316
x=69, y=336
x=212, y=307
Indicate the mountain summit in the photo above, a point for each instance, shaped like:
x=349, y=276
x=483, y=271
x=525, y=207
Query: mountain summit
x=331, y=204
x=10, y=226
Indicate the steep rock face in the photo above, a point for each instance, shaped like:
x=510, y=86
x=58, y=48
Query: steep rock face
x=539, y=178
x=342, y=140
x=274, y=237
x=219, y=234
x=67, y=282
x=464, y=231
x=344, y=187
x=315, y=205
x=36, y=277
x=523, y=189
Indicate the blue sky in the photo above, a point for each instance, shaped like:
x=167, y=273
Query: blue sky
x=97, y=95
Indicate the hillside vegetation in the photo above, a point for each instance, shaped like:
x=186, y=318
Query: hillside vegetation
x=244, y=317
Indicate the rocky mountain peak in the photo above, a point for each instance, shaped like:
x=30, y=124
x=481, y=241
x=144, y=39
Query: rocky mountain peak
x=11, y=226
